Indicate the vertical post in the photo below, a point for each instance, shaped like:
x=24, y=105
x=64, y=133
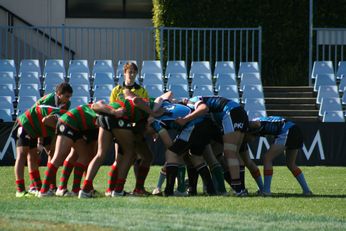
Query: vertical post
x=260, y=48
x=310, y=38
x=63, y=41
x=161, y=44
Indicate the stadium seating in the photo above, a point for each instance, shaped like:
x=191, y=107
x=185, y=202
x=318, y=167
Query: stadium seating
x=252, y=91
x=225, y=79
x=7, y=77
x=79, y=100
x=54, y=65
x=5, y=115
x=81, y=90
x=78, y=66
x=29, y=77
x=53, y=78
x=342, y=85
x=254, y=104
x=104, y=98
x=7, y=90
x=203, y=90
x=179, y=90
x=198, y=67
x=248, y=67
x=105, y=65
x=103, y=78
x=256, y=113
x=324, y=80
x=29, y=89
x=6, y=102
x=322, y=67
x=343, y=97
x=249, y=79
x=204, y=79
x=333, y=116
x=330, y=104
x=25, y=102
x=103, y=90
x=226, y=67
x=8, y=65
x=151, y=66
x=30, y=65
x=174, y=67
x=177, y=78
x=77, y=78
x=326, y=91
x=154, y=90
x=229, y=91
x=152, y=78
x=341, y=72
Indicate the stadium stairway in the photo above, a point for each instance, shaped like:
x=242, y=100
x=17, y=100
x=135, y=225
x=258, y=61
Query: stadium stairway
x=297, y=103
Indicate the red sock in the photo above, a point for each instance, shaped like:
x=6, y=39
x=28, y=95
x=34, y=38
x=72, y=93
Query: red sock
x=35, y=179
x=88, y=185
x=65, y=174
x=113, y=174
x=119, y=184
x=50, y=176
x=78, y=174
x=20, y=185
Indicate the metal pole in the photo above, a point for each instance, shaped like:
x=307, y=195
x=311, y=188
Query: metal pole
x=310, y=38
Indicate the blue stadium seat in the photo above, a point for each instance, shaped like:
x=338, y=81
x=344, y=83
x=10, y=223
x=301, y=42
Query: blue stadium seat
x=341, y=72
x=252, y=91
x=225, y=79
x=322, y=67
x=198, y=67
x=54, y=65
x=104, y=98
x=177, y=78
x=103, y=78
x=30, y=65
x=326, y=91
x=6, y=102
x=333, y=116
x=29, y=77
x=177, y=66
x=324, y=80
x=103, y=66
x=203, y=90
x=103, y=90
x=79, y=100
x=5, y=115
x=224, y=67
x=330, y=104
x=248, y=67
x=25, y=102
x=342, y=85
x=81, y=90
x=151, y=66
x=152, y=78
x=29, y=89
x=249, y=79
x=78, y=66
x=199, y=79
x=154, y=90
x=7, y=90
x=77, y=78
x=179, y=90
x=229, y=92
x=254, y=104
x=8, y=65
x=53, y=78
x=7, y=77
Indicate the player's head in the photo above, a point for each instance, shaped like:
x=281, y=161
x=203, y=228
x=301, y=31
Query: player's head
x=64, y=92
x=130, y=71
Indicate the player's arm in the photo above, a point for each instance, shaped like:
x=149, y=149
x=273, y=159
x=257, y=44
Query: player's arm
x=101, y=107
x=50, y=120
x=201, y=109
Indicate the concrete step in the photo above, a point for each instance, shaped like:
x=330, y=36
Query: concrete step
x=292, y=112
x=296, y=106
x=287, y=89
x=303, y=118
x=289, y=94
x=294, y=100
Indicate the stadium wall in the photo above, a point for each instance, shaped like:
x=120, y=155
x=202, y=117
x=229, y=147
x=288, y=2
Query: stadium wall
x=323, y=145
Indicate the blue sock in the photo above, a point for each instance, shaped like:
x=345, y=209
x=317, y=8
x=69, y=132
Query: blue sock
x=268, y=175
x=259, y=183
x=162, y=179
x=301, y=180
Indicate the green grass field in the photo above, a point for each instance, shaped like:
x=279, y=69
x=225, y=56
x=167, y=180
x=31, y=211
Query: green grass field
x=286, y=210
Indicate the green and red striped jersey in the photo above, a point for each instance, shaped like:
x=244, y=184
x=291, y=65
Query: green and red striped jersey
x=52, y=100
x=31, y=120
x=132, y=113
x=80, y=118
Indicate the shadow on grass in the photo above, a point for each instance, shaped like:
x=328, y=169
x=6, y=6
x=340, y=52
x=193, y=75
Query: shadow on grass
x=281, y=195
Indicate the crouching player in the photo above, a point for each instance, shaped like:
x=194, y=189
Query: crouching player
x=33, y=126
x=288, y=138
x=75, y=129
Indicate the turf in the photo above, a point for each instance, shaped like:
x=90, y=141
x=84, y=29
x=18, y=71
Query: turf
x=286, y=210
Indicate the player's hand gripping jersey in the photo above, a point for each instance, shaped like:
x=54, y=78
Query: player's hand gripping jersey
x=31, y=120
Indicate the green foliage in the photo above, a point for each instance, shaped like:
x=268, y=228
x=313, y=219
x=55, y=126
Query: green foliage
x=286, y=210
x=285, y=27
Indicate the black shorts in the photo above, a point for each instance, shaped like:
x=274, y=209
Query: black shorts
x=240, y=119
x=90, y=135
x=64, y=130
x=109, y=123
x=294, y=138
x=200, y=136
x=24, y=139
